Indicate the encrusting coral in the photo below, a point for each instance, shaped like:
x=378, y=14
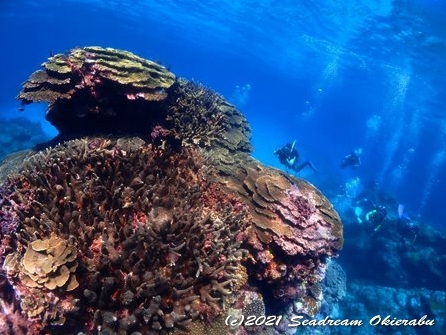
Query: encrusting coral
x=167, y=231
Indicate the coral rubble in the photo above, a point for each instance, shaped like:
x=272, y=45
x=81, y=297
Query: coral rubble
x=168, y=231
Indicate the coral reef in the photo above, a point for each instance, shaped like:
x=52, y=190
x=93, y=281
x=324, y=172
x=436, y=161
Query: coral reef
x=95, y=90
x=156, y=243
x=169, y=231
x=397, y=270
x=366, y=302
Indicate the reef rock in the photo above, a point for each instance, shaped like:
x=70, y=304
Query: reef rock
x=169, y=231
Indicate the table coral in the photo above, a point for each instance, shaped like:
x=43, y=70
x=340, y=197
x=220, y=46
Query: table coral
x=164, y=232
x=101, y=89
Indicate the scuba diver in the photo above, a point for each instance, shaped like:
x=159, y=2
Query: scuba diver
x=408, y=228
x=289, y=157
x=375, y=217
x=353, y=159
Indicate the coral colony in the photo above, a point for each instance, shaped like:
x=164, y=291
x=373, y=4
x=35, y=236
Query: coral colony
x=150, y=216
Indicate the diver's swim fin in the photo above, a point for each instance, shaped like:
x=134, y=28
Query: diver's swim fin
x=303, y=165
x=312, y=166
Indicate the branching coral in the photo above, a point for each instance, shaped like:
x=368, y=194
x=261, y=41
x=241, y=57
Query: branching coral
x=201, y=117
x=155, y=241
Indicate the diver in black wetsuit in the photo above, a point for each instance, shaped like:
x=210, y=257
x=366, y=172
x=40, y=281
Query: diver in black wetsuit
x=289, y=157
x=408, y=229
x=353, y=159
x=375, y=217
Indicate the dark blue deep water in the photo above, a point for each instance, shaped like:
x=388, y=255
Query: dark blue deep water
x=332, y=75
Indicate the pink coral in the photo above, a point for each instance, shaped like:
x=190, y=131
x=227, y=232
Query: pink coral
x=309, y=234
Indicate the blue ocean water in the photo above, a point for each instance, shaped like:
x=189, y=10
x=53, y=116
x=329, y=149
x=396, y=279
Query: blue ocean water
x=332, y=75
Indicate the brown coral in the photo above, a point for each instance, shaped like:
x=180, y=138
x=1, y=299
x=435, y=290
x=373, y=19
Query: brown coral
x=154, y=238
x=48, y=263
x=201, y=117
